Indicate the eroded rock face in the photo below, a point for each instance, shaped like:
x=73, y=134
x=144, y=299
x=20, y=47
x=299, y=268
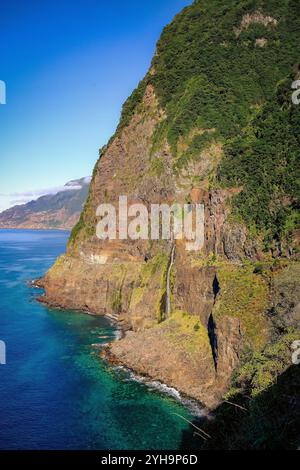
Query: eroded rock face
x=230, y=344
x=94, y=272
x=167, y=353
x=76, y=284
x=193, y=289
x=222, y=237
x=104, y=277
x=127, y=279
x=157, y=354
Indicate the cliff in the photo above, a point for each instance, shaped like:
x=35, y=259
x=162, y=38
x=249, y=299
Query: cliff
x=212, y=123
x=60, y=210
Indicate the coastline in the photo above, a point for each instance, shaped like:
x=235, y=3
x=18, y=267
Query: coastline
x=199, y=383
x=197, y=409
x=194, y=405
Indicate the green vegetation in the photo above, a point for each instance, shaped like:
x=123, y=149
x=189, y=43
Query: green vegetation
x=76, y=229
x=264, y=160
x=186, y=333
x=86, y=226
x=258, y=268
x=157, y=167
x=131, y=104
x=197, y=146
x=58, y=265
x=244, y=295
x=206, y=76
x=261, y=369
x=158, y=264
x=262, y=409
x=212, y=72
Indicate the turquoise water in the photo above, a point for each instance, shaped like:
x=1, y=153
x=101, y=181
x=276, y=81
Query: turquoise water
x=55, y=392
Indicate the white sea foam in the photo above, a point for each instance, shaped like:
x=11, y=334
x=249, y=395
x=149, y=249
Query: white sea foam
x=118, y=334
x=192, y=405
x=97, y=345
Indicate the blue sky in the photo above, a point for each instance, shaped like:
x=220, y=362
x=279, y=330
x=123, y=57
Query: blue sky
x=68, y=67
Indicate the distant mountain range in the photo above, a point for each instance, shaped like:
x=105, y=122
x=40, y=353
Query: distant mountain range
x=52, y=211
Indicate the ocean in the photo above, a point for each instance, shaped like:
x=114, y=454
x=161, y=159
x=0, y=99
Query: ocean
x=55, y=391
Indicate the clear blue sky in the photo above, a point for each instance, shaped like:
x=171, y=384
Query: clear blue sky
x=68, y=67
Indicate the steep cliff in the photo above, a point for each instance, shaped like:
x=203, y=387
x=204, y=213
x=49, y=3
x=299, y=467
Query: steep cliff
x=213, y=123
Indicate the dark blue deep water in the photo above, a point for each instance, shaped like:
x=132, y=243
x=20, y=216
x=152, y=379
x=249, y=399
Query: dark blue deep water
x=55, y=392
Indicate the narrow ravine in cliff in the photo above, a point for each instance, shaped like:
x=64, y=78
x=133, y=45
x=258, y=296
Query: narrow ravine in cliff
x=211, y=326
x=168, y=291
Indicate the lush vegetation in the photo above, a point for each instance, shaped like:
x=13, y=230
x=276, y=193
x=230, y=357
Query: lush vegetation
x=131, y=104
x=224, y=79
x=262, y=408
x=221, y=79
x=264, y=160
x=207, y=77
x=244, y=294
x=263, y=411
x=86, y=224
x=213, y=72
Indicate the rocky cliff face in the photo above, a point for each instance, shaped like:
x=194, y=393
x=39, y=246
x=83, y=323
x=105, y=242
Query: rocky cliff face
x=192, y=132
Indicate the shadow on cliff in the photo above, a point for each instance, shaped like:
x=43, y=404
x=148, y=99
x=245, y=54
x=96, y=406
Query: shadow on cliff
x=268, y=421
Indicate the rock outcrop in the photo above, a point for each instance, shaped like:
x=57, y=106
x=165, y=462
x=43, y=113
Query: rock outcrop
x=170, y=148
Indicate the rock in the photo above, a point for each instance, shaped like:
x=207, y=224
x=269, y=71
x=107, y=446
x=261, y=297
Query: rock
x=167, y=150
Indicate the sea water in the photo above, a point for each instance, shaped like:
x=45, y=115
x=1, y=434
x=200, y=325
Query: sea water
x=55, y=391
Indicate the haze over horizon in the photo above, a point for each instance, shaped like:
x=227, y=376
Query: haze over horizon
x=68, y=69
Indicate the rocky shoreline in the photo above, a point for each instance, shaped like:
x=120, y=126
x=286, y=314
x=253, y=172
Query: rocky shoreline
x=113, y=360
x=197, y=408
x=198, y=320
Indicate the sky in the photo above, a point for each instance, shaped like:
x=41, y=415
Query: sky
x=68, y=67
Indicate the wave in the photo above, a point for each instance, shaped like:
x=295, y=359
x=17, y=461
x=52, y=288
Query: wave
x=192, y=405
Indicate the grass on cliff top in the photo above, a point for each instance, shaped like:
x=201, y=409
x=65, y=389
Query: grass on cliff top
x=244, y=294
x=58, y=265
x=186, y=333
